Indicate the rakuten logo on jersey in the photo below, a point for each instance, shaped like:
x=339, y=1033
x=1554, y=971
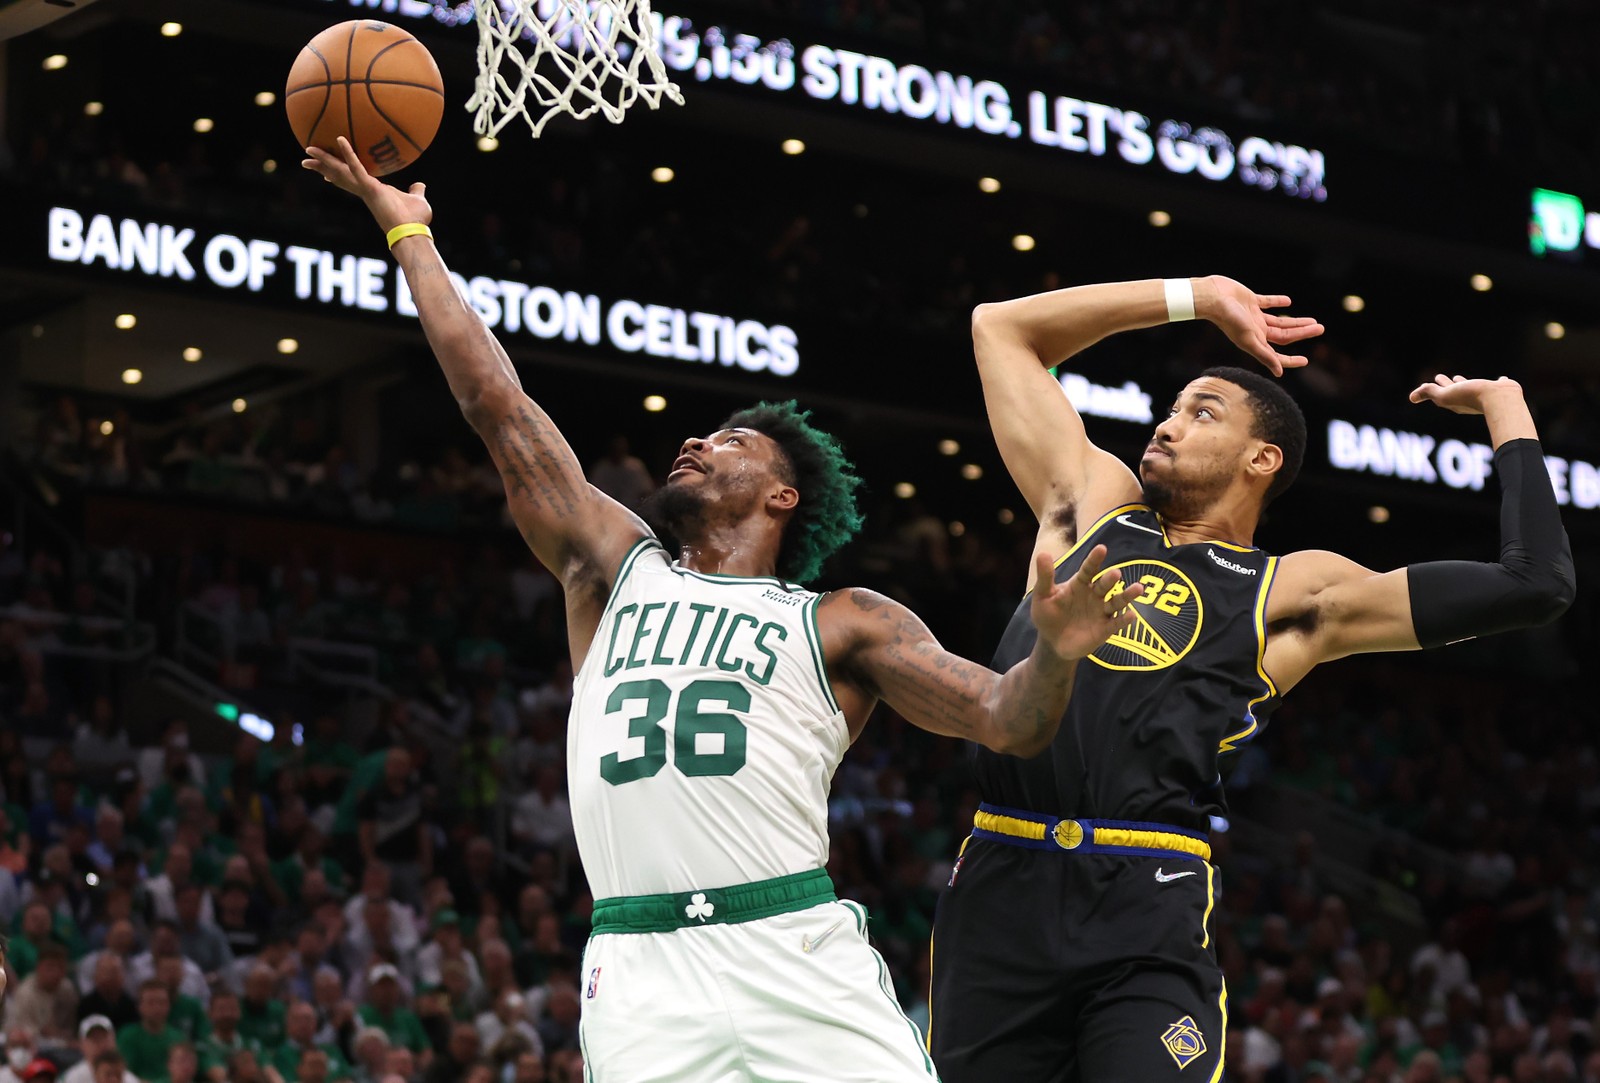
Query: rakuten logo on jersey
x=1224, y=562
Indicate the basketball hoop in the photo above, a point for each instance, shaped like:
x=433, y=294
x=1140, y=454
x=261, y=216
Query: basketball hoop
x=584, y=56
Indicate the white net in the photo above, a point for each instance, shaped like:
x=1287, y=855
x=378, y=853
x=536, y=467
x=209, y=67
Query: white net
x=540, y=58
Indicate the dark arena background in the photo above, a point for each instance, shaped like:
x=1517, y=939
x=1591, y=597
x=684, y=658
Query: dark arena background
x=283, y=696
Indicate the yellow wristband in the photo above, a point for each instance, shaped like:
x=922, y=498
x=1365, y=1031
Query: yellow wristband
x=408, y=229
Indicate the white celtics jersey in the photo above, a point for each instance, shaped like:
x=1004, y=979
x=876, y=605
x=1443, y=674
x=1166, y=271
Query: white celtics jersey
x=703, y=734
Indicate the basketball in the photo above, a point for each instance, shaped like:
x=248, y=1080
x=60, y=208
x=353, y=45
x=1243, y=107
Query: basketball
x=372, y=83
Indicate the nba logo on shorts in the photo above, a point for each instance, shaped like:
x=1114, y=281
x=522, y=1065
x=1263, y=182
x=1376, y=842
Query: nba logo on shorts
x=594, y=983
x=1184, y=1041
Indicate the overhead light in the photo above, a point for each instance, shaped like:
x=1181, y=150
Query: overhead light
x=905, y=490
x=171, y=30
x=1160, y=219
x=55, y=61
x=1023, y=242
x=794, y=146
x=126, y=321
x=192, y=354
x=265, y=97
x=971, y=471
x=1555, y=330
x=1378, y=513
x=204, y=124
x=957, y=528
x=1007, y=516
x=989, y=185
x=487, y=143
x=655, y=403
x=269, y=166
x=239, y=405
x=662, y=174
x=949, y=447
x=93, y=109
x=288, y=345
x=106, y=428
x=131, y=376
x=1482, y=283
x=1354, y=302
x=860, y=210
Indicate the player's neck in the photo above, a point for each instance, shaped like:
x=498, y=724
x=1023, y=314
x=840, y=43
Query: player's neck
x=732, y=550
x=1228, y=522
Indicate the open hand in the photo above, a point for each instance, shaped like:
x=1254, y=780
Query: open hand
x=1460, y=395
x=1075, y=617
x=1242, y=315
x=388, y=204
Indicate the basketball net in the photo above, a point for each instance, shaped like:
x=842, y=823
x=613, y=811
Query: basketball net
x=583, y=56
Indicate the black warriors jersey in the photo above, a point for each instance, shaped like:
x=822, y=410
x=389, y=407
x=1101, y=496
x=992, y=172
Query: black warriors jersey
x=1157, y=704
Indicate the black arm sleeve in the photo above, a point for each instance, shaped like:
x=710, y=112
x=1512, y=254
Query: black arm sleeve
x=1533, y=583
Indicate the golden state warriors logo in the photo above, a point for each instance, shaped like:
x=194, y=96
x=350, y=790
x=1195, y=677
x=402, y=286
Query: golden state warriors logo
x=1184, y=1041
x=1166, y=618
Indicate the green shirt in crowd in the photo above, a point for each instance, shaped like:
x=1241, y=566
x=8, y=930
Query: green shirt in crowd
x=213, y=1052
x=286, y=1058
x=403, y=1027
x=146, y=1053
x=189, y=1016
x=263, y=1025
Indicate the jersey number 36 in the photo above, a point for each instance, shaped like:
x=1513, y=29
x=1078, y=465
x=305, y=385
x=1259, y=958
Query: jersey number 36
x=690, y=722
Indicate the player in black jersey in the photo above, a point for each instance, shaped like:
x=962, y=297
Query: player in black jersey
x=1074, y=944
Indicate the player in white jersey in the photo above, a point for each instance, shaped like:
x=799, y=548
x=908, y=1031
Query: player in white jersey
x=713, y=702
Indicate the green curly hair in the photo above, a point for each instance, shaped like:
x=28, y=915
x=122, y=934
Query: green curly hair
x=813, y=462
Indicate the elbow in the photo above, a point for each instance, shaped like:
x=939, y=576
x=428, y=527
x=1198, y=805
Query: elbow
x=989, y=320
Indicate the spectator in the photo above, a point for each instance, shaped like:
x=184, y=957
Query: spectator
x=445, y=947
x=21, y=1049
x=38, y=929
x=41, y=1070
x=300, y=1033
x=96, y=1037
x=222, y=1039
x=528, y=1068
x=188, y=1015
x=384, y=1011
x=110, y=1067
x=375, y=891
x=261, y=1012
x=460, y=1054
x=52, y=819
x=164, y=944
x=109, y=995
x=621, y=475
x=46, y=1001
x=542, y=816
x=145, y=1044
x=392, y=828
x=505, y=1031
x=200, y=940
x=371, y=1055
x=183, y=1066
x=558, y=1028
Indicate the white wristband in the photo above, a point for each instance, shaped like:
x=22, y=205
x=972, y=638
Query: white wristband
x=1180, y=299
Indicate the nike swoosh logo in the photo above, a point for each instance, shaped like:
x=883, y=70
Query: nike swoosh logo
x=1123, y=519
x=1162, y=878
x=809, y=944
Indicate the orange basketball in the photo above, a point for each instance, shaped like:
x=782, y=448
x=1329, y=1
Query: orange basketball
x=372, y=83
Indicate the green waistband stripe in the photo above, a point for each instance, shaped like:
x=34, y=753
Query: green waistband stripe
x=713, y=905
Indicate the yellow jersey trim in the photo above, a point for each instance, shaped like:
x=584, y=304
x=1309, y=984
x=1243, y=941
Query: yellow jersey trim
x=1222, y=1046
x=1211, y=900
x=1231, y=742
x=1007, y=825
x=1098, y=523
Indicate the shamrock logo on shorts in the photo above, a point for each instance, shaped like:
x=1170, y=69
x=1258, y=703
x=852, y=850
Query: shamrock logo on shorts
x=698, y=907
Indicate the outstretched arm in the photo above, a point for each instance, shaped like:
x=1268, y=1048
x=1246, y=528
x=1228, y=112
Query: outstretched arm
x=573, y=528
x=1353, y=610
x=889, y=654
x=1040, y=435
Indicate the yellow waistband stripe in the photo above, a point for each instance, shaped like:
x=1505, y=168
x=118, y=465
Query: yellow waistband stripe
x=1127, y=837
x=1008, y=825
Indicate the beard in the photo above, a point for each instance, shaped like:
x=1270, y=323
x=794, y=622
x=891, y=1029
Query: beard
x=676, y=513
x=1183, y=499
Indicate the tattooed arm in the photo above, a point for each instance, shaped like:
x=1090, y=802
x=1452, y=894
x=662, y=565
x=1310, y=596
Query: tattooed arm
x=576, y=531
x=879, y=649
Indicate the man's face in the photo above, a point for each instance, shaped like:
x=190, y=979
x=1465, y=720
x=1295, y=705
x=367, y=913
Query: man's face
x=51, y=971
x=225, y=1013
x=464, y=1043
x=36, y=923
x=108, y=1073
x=181, y=1064
x=721, y=478
x=154, y=1007
x=302, y=1023
x=97, y=1041
x=1200, y=449
x=385, y=995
